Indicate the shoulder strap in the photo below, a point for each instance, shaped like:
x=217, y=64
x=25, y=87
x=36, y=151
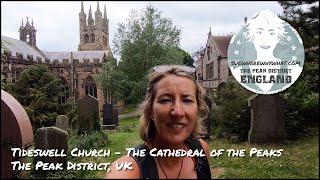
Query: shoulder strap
x=147, y=165
x=202, y=164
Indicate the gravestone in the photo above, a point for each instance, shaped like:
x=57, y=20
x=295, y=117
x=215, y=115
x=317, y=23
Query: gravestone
x=108, y=117
x=53, y=139
x=16, y=132
x=88, y=111
x=267, y=119
x=115, y=116
x=207, y=120
x=62, y=122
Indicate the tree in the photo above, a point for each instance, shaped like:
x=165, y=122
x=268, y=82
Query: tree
x=3, y=59
x=302, y=97
x=304, y=17
x=186, y=57
x=109, y=79
x=146, y=40
x=198, y=54
x=38, y=92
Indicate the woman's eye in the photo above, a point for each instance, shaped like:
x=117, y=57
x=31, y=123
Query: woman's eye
x=188, y=100
x=164, y=100
x=259, y=32
x=272, y=33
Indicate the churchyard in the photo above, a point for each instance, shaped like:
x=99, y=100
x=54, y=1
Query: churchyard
x=229, y=158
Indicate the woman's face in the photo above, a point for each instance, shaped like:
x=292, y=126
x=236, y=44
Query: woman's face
x=174, y=109
x=266, y=37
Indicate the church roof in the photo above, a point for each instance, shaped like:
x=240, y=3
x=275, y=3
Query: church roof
x=17, y=46
x=81, y=55
x=222, y=43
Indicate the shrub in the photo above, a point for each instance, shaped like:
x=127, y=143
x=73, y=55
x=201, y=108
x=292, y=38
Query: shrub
x=94, y=140
x=302, y=108
x=231, y=115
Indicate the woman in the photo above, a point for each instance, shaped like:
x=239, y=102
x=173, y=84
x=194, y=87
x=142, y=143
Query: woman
x=171, y=118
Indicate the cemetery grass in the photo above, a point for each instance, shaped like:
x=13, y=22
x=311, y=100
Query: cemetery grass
x=128, y=109
x=299, y=158
x=126, y=136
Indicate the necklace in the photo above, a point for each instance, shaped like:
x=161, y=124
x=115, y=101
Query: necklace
x=165, y=172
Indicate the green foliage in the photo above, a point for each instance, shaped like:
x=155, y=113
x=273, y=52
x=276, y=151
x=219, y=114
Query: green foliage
x=109, y=79
x=304, y=17
x=302, y=108
x=3, y=59
x=69, y=108
x=38, y=91
x=133, y=91
x=231, y=115
x=310, y=75
x=299, y=160
x=128, y=108
x=94, y=140
x=3, y=84
x=187, y=59
x=128, y=124
x=88, y=126
x=294, y=124
x=146, y=40
x=311, y=108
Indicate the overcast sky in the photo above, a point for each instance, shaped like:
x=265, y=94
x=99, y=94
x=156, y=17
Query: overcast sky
x=57, y=23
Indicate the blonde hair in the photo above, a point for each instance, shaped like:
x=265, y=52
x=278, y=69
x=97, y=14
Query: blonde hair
x=147, y=128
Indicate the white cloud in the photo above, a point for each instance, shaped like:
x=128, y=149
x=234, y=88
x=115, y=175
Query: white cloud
x=58, y=27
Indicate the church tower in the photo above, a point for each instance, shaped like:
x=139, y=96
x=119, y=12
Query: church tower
x=94, y=34
x=28, y=33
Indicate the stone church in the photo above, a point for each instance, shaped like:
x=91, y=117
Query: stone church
x=212, y=69
x=76, y=69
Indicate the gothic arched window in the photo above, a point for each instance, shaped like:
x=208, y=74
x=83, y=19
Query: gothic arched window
x=103, y=40
x=90, y=87
x=86, y=38
x=92, y=38
x=64, y=89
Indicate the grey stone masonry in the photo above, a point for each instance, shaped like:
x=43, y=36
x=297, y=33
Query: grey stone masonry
x=267, y=119
x=62, y=122
x=88, y=111
x=52, y=139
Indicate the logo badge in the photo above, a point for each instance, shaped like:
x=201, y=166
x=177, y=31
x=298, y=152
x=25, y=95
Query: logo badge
x=267, y=55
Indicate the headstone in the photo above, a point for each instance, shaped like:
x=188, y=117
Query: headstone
x=207, y=120
x=16, y=131
x=88, y=111
x=115, y=116
x=62, y=122
x=109, y=127
x=267, y=119
x=53, y=139
x=108, y=117
x=108, y=114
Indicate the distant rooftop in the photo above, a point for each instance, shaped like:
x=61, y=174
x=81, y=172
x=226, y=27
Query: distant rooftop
x=17, y=46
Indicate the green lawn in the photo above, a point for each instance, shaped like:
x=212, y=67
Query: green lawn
x=299, y=159
x=128, y=108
